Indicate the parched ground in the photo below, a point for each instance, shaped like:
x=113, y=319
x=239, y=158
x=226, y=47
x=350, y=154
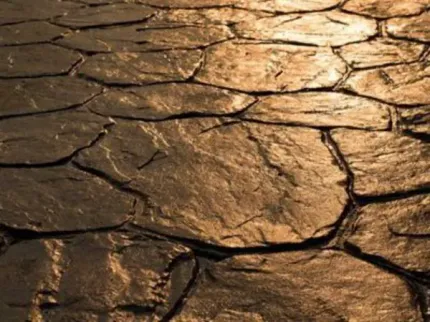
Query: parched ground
x=214, y=160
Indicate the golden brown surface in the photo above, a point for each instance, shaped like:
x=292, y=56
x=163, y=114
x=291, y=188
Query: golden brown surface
x=214, y=160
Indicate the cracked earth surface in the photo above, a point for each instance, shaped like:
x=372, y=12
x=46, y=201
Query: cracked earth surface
x=215, y=160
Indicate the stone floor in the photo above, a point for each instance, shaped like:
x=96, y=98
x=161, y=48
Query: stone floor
x=214, y=160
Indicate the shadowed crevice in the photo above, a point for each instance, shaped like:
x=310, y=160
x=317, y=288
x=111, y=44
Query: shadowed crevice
x=62, y=161
x=71, y=107
x=419, y=283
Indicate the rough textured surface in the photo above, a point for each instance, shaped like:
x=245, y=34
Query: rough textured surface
x=416, y=28
x=384, y=162
x=287, y=6
x=214, y=160
x=129, y=279
x=406, y=84
x=162, y=101
x=396, y=231
x=105, y=15
x=61, y=199
x=48, y=138
x=264, y=67
x=25, y=270
x=381, y=51
x=302, y=286
x=275, y=5
x=415, y=120
x=181, y=171
x=386, y=8
x=214, y=15
x=146, y=38
x=332, y=28
x=38, y=95
x=100, y=2
x=29, y=32
x=321, y=109
x=142, y=68
x=23, y=10
x=188, y=3
x=36, y=60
